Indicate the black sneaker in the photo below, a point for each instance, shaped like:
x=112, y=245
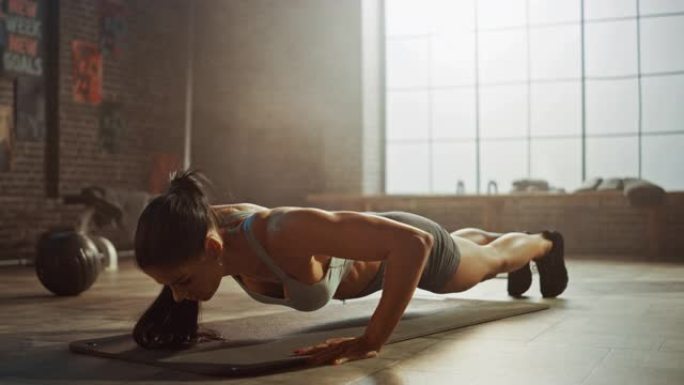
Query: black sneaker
x=519, y=281
x=553, y=276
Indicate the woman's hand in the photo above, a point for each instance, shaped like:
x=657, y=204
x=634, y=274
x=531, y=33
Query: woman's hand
x=336, y=351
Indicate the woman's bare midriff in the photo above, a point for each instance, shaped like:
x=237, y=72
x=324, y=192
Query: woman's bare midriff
x=357, y=279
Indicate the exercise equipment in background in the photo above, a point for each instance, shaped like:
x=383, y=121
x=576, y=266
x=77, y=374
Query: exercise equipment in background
x=69, y=260
x=639, y=192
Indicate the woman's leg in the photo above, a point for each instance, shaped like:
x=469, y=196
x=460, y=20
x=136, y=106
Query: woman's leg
x=506, y=253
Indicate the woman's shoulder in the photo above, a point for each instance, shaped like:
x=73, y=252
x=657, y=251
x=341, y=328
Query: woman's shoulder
x=230, y=214
x=238, y=207
x=275, y=219
x=294, y=220
x=263, y=221
x=274, y=214
x=268, y=224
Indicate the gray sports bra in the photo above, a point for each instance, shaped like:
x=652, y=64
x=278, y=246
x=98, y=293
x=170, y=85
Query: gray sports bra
x=301, y=296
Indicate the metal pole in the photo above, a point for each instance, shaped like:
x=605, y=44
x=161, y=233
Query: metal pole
x=477, y=105
x=640, y=125
x=584, y=98
x=51, y=78
x=187, y=139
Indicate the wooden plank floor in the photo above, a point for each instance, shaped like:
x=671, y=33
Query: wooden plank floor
x=619, y=322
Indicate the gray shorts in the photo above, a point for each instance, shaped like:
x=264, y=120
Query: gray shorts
x=442, y=261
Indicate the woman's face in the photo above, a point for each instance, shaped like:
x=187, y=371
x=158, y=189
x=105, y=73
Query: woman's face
x=196, y=279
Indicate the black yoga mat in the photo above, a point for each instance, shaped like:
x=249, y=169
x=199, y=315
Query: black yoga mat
x=263, y=344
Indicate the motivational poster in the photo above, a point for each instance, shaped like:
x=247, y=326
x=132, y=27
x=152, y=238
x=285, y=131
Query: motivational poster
x=21, y=37
x=87, y=72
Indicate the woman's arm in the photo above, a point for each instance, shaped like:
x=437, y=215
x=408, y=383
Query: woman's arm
x=351, y=235
x=403, y=270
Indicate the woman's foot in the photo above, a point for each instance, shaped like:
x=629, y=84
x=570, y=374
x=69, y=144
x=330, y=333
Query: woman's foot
x=519, y=281
x=553, y=276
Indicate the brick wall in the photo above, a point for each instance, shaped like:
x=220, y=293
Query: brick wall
x=147, y=79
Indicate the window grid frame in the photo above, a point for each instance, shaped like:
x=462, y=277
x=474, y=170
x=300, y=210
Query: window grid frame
x=478, y=84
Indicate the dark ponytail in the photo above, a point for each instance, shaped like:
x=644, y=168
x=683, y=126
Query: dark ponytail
x=173, y=226
x=172, y=229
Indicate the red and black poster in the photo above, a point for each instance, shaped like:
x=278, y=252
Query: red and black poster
x=87, y=72
x=21, y=37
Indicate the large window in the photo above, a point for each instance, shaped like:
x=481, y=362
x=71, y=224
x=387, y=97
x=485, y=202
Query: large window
x=563, y=90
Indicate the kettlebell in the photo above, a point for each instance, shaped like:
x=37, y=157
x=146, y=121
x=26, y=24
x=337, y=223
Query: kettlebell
x=67, y=262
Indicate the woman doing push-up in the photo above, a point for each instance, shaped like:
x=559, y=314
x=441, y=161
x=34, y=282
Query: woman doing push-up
x=304, y=257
